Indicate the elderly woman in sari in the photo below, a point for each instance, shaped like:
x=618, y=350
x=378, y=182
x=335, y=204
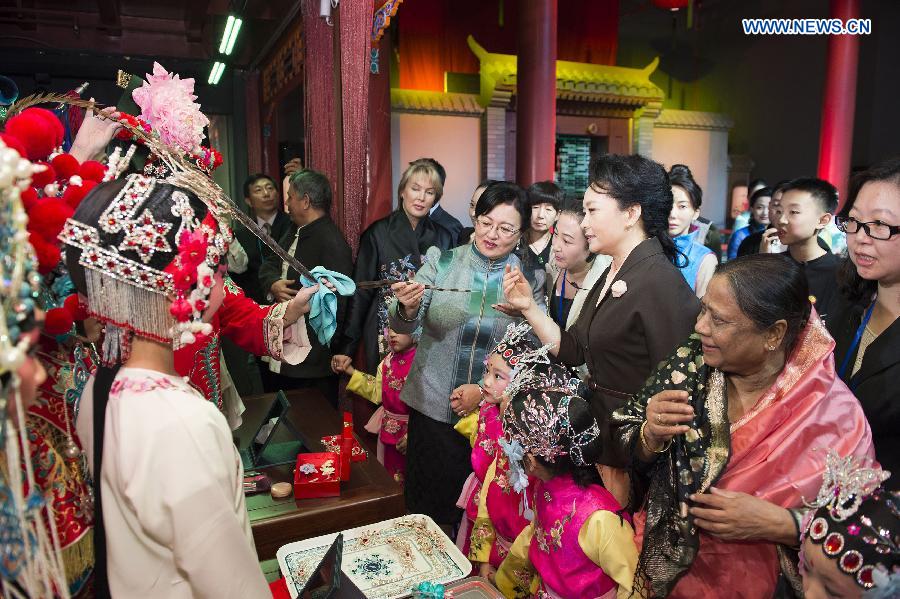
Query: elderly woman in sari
x=730, y=434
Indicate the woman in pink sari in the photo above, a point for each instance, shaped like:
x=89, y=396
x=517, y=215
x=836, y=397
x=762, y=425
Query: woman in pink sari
x=730, y=435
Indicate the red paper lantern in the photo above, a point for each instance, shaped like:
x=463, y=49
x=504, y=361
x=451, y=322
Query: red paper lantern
x=670, y=4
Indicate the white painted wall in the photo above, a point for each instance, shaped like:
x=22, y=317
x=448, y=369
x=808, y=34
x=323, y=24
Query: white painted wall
x=454, y=141
x=706, y=153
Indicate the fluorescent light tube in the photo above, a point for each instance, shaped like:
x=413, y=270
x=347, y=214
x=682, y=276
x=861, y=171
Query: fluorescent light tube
x=228, y=28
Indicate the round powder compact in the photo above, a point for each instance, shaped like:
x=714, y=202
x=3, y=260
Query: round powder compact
x=281, y=490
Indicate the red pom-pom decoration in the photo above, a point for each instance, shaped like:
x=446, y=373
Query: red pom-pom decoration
x=181, y=309
x=29, y=198
x=48, y=175
x=75, y=308
x=58, y=321
x=38, y=130
x=74, y=194
x=65, y=166
x=91, y=170
x=48, y=217
x=15, y=144
x=48, y=255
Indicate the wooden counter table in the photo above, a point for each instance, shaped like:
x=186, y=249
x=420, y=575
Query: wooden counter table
x=370, y=496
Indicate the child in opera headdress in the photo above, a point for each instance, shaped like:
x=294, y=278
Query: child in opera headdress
x=851, y=539
x=580, y=542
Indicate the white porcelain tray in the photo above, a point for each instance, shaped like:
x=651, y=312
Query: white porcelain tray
x=385, y=560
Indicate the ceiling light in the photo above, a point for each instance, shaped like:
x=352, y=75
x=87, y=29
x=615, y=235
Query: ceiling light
x=228, y=27
x=232, y=37
x=216, y=73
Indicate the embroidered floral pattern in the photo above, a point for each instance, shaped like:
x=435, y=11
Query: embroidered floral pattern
x=552, y=540
x=391, y=425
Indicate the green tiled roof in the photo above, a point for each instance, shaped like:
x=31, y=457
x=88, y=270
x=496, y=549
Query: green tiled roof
x=574, y=80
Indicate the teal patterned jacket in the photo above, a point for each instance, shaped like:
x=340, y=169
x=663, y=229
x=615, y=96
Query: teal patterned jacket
x=458, y=330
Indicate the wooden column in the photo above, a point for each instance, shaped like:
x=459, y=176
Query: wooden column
x=536, y=91
x=839, y=101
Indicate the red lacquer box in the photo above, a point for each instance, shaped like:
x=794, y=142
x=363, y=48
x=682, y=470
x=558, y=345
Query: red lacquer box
x=317, y=475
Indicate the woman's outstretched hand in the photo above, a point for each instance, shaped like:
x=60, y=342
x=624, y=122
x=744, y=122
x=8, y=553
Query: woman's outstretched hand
x=409, y=294
x=667, y=415
x=517, y=292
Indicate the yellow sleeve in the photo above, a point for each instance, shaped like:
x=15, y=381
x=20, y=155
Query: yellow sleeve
x=483, y=534
x=366, y=386
x=608, y=541
x=516, y=577
x=467, y=426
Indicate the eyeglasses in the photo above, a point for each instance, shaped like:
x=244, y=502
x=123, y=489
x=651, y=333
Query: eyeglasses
x=874, y=229
x=503, y=230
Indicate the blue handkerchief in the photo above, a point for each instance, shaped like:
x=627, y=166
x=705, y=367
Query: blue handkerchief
x=323, y=305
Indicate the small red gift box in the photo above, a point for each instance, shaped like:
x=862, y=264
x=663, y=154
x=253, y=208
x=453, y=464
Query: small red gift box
x=317, y=475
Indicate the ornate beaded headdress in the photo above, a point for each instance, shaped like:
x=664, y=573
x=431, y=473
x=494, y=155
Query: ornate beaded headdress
x=19, y=279
x=857, y=523
x=146, y=248
x=520, y=351
x=31, y=561
x=549, y=418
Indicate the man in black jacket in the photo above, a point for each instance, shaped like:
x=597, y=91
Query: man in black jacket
x=317, y=241
x=261, y=195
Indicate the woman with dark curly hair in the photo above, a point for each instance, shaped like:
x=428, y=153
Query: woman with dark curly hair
x=639, y=310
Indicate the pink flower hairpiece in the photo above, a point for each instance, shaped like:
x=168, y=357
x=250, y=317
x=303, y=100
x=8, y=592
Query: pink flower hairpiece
x=167, y=105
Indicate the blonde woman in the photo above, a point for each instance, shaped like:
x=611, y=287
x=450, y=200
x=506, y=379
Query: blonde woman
x=392, y=248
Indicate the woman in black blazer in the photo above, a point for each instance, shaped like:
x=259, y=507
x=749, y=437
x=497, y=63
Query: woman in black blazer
x=641, y=308
x=865, y=325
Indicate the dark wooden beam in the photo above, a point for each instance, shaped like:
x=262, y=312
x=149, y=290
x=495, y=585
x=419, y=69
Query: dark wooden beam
x=110, y=17
x=195, y=18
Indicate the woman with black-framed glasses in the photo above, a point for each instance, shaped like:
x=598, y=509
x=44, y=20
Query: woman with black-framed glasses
x=866, y=326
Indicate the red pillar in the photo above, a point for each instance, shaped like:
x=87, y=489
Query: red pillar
x=381, y=193
x=839, y=101
x=536, y=91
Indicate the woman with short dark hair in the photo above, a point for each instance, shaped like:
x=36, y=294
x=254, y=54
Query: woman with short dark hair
x=639, y=310
x=458, y=329
x=730, y=434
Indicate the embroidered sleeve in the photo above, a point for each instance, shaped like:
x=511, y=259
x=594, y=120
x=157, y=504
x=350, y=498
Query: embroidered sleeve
x=608, y=541
x=483, y=534
x=366, y=386
x=290, y=346
x=516, y=577
x=425, y=275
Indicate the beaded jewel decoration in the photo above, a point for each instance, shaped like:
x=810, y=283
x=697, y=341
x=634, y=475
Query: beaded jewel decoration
x=857, y=523
x=19, y=280
x=518, y=350
x=845, y=484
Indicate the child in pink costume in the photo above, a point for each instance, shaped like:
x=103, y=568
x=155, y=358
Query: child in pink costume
x=390, y=420
x=496, y=511
x=580, y=543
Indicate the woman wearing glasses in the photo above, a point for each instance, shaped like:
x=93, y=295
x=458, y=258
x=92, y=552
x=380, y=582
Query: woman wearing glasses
x=639, y=310
x=865, y=324
x=458, y=329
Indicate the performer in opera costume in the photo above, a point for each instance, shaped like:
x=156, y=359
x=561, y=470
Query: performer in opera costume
x=31, y=564
x=259, y=330
x=148, y=257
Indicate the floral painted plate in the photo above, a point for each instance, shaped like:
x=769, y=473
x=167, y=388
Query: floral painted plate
x=385, y=560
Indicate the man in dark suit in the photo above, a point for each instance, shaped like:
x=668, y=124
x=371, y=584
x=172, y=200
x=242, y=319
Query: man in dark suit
x=261, y=195
x=440, y=216
x=317, y=241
